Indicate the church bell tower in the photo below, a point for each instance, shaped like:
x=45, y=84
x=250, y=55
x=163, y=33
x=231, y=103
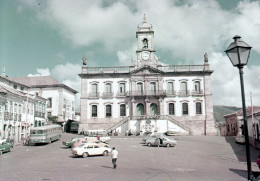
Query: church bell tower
x=145, y=50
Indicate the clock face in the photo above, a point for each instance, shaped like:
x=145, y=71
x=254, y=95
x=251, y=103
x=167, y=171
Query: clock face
x=145, y=55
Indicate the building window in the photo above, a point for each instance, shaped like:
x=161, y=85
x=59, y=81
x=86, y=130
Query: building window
x=122, y=110
x=108, y=110
x=153, y=87
x=197, y=87
x=171, y=109
x=94, y=90
x=185, y=109
x=22, y=88
x=49, y=114
x=198, y=108
x=15, y=86
x=108, y=88
x=170, y=87
x=145, y=43
x=122, y=88
x=140, y=88
x=153, y=109
x=140, y=109
x=94, y=110
x=183, y=89
x=49, y=103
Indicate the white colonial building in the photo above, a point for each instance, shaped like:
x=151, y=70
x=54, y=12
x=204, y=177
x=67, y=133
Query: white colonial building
x=147, y=96
x=60, y=98
x=19, y=110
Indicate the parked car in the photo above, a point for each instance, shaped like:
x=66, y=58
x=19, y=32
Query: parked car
x=240, y=139
x=161, y=142
x=70, y=142
x=153, y=137
x=5, y=147
x=88, y=149
x=84, y=140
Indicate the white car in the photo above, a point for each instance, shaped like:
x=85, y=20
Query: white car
x=88, y=149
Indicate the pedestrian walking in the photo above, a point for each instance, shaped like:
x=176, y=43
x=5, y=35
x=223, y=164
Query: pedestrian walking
x=114, y=155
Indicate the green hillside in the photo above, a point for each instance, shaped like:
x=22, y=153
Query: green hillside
x=220, y=111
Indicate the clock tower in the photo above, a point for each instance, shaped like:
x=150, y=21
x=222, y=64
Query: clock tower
x=145, y=51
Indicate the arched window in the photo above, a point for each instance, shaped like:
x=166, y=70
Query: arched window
x=170, y=87
x=171, y=109
x=183, y=89
x=108, y=88
x=197, y=87
x=185, y=108
x=140, y=88
x=140, y=109
x=153, y=109
x=94, y=90
x=94, y=110
x=145, y=43
x=122, y=110
x=153, y=87
x=122, y=88
x=108, y=110
x=198, y=108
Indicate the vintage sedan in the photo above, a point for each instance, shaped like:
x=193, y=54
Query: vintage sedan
x=5, y=147
x=161, y=142
x=153, y=137
x=70, y=142
x=88, y=149
x=84, y=140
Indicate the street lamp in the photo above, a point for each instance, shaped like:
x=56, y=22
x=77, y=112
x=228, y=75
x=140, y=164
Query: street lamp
x=238, y=53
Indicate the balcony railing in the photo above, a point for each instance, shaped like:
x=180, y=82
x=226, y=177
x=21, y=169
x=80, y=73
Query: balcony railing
x=146, y=93
x=183, y=93
x=128, y=69
x=197, y=92
x=93, y=95
x=121, y=94
x=108, y=94
x=171, y=93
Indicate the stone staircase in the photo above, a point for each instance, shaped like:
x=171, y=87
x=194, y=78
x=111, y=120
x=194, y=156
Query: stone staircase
x=157, y=117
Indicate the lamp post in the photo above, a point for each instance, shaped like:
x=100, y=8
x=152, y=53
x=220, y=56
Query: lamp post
x=238, y=53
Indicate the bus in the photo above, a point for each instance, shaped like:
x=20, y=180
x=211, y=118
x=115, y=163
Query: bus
x=74, y=126
x=45, y=134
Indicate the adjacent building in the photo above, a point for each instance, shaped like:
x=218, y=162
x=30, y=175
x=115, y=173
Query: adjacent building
x=60, y=98
x=147, y=96
x=27, y=102
x=235, y=122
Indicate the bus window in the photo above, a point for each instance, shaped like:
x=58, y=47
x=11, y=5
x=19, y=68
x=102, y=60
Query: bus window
x=40, y=132
x=33, y=132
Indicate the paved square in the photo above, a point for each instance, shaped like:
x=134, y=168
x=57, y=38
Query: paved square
x=193, y=158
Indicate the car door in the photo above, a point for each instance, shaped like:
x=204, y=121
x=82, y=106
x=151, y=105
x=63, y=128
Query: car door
x=90, y=150
x=156, y=142
x=97, y=150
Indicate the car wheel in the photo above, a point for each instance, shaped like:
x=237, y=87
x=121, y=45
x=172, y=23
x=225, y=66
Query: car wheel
x=106, y=146
x=105, y=153
x=149, y=144
x=84, y=155
x=168, y=145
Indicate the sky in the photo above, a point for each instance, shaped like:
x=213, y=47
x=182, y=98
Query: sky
x=50, y=37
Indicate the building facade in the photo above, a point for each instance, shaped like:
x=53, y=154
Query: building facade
x=61, y=99
x=19, y=111
x=147, y=96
